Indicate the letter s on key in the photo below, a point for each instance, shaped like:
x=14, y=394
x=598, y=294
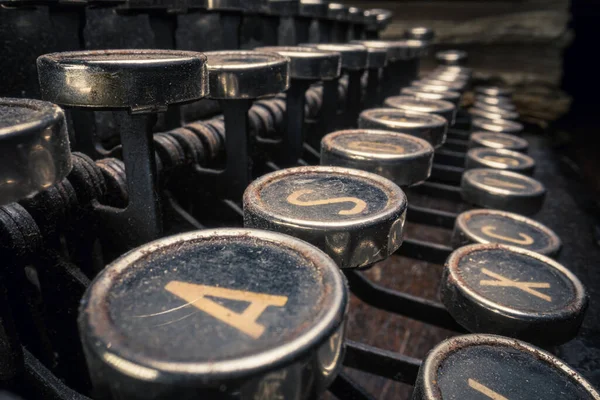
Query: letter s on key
x=359, y=205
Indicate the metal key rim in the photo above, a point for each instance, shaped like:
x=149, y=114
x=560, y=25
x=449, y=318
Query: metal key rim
x=330, y=317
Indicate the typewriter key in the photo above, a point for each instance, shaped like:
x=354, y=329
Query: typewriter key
x=405, y=160
x=373, y=91
x=246, y=74
x=494, y=91
x=495, y=101
x=455, y=85
x=355, y=58
x=442, y=108
x=485, y=157
x=426, y=126
x=497, y=368
x=503, y=190
x=137, y=80
x=136, y=84
x=497, y=125
x=511, y=291
x=450, y=96
x=307, y=65
x=235, y=79
x=420, y=33
x=34, y=147
x=497, y=114
x=215, y=313
x=498, y=141
x=495, y=226
x=454, y=69
x=451, y=57
x=482, y=105
x=354, y=216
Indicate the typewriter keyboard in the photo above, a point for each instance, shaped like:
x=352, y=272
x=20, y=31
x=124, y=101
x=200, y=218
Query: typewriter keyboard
x=263, y=200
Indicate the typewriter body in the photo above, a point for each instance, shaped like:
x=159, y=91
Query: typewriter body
x=234, y=199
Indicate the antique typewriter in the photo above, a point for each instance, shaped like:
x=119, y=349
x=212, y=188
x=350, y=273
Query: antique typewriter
x=260, y=199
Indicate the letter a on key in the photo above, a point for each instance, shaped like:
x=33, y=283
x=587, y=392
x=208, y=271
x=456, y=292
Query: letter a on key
x=485, y=390
x=195, y=295
x=524, y=286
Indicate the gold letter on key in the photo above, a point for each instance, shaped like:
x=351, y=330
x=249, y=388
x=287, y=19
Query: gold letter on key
x=196, y=294
x=489, y=231
x=359, y=205
x=524, y=286
x=485, y=390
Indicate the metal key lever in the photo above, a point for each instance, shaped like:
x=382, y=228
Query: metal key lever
x=387, y=364
x=404, y=304
x=307, y=66
x=236, y=78
x=112, y=80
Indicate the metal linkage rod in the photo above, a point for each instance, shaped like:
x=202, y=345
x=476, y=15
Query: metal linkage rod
x=387, y=364
x=400, y=303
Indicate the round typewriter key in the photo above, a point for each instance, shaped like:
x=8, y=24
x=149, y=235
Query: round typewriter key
x=456, y=85
x=444, y=109
x=139, y=80
x=497, y=125
x=355, y=59
x=34, y=147
x=354, y=216
x=426, y=126
x=494, y=91
x=226, y=312
x=497, y=114
x=485, y=157
x=405, y=160
x=503, y=190
x=420, y=33
x=511, y=291
x=494, y=101
x=246, y=74
x=451, y=57
x=508, y=106
x=449, y=95
x=495, y=226
x=482, y=367
x=498, y=141
x=235, y=79
x=354, y=56
x=307, y=65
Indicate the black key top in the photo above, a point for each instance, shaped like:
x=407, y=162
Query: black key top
x=405, y=160
x=485, y=157
x=420, y=33
x=498, y=141
x=497, y=125
x=354, y=216
x=496, y=114
x=484, y=105
x=495, y=226
x=493, y=288
x=430, y=127
x=452, y=57
x=457, y=85
x=137, y=80
x=226, y=312
x=420, y=92
x=503, y=190
x=34, y=147
x=444, y=109
x=482, y=367
x=494, y=91
x=494, y=101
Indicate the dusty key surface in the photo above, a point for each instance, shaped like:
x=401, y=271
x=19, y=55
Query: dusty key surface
x=215, y=311
x=494, y=367
x=354, y=216
x=495, y=226
x=493, y=288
